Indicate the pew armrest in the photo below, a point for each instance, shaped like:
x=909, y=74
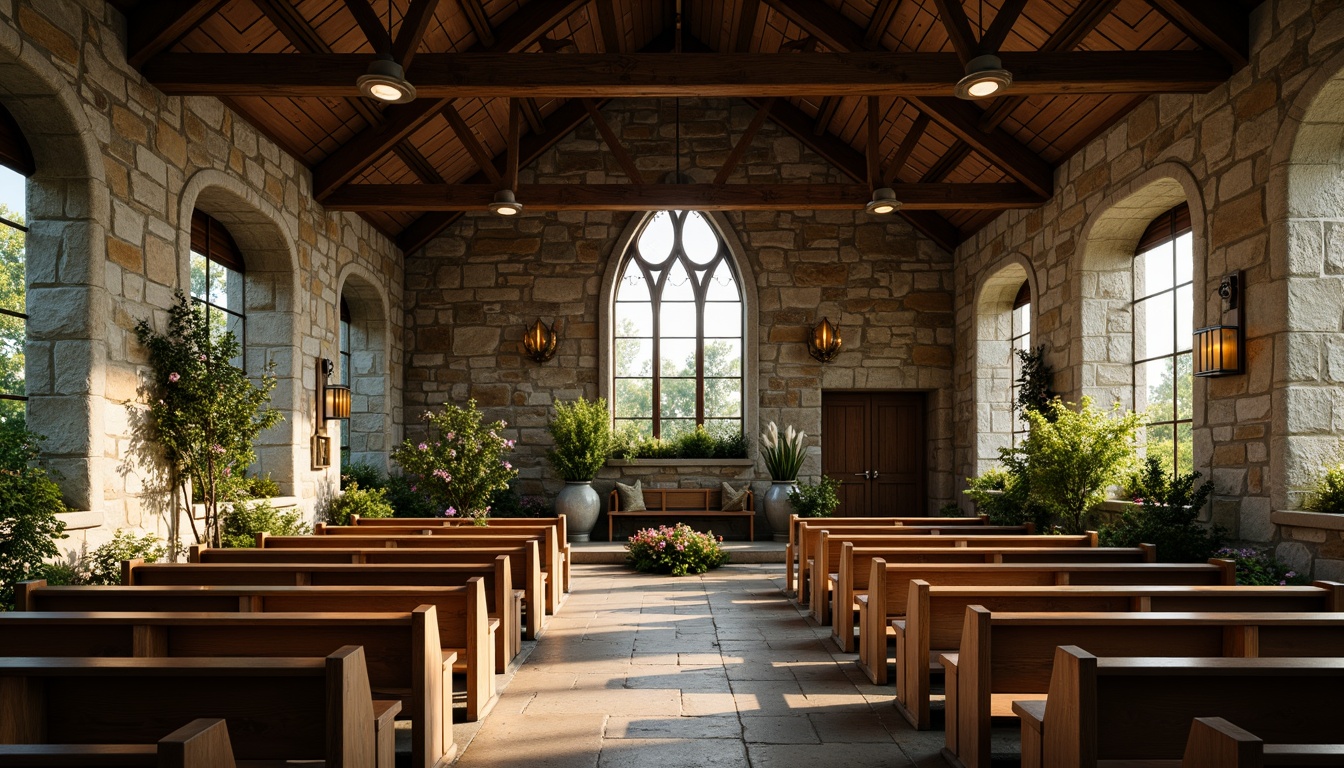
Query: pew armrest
x=1032, y=715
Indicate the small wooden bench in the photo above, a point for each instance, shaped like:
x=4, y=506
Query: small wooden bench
x=202, y=743
x=1216, y=743
x=495, y=575
x=791, y=549
x=931, y=619
x=279, y=709
x=464, y=626
x=1138, y=710
x=1007, y=656
x=402, y=650
x=676, y=504
x=524, y=564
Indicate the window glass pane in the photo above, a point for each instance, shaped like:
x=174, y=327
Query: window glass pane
x=723, y=357
x=633, y=285
x=226, y=288
x=1022, y=321
x=1185, y=448
x=634, y=397
x=722, y=286
x=1154, y=271
x=723, y=319
x=1154, y=323
x=655, y=242
x=698, y=239
x=634, y=357
x=675, y=428
x=677, y=319
x=13, y=278
x=13, y=194
x=1185, y=258
x=634, y=320
x=643, y=426
x=11, y=355
x=723, y=397
x=722, y=428
x=678, y=286
x=200, y=266
x=1155, y=387
x=1185, y=384
x=1160, y=444
x=678, y=357
x=677, y=399
x=1185, y=318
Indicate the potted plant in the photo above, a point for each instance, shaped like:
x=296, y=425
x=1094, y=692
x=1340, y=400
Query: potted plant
x=819, y=499
x=583, y=441
x=783, y=458
x=460, y=466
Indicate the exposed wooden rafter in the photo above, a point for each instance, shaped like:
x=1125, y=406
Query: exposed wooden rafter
x=908, y=143
x=953, y=16
x=1004, y=20
x=474, y=10
x=372, y=26
x=157, y=25
x=1216, y=24
x=606, y=19
x=880, y=22
x=412, y=31
x=744, y=142
x=613, y=142
x=474, y=147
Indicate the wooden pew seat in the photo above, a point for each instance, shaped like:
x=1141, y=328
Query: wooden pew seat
x=1216, y=743
x=202, y=743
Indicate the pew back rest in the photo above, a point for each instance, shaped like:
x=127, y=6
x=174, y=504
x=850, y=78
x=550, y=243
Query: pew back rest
x=795, y=521
x=680, y=500
x=858, y=560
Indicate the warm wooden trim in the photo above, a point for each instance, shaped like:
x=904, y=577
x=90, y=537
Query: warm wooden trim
x=825, y=113
x=613, y=141
x=579, y=75
x=874, y=159
x=514, y=137
x=532, y=115
x=1217, y=25
x=412, y=32
x=155, y=27
x=953, y=157
x=656, y=197
x=744, y=142
x=473, y=145
x=880, y=22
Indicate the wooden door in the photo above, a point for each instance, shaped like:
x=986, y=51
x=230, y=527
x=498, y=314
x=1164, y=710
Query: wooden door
x=874, y=444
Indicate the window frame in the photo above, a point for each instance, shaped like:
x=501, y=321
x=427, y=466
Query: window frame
x=11, y=163
x=1018, y=429
x=343, y=368
x=655, y=287
x=209, y=238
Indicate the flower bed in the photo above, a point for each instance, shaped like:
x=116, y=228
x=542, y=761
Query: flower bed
x=678, y=551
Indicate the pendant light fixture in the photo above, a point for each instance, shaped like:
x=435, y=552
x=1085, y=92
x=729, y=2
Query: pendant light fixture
x=385, y=80
x=884, y=202
x=505, y=204
x=985, y=77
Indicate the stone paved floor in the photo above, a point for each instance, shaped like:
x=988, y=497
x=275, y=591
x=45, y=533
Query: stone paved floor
x=708, y=671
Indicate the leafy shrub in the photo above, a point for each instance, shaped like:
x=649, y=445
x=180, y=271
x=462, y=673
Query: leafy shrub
x=950, y=509
x=583, y=440
x=105, y=561
x=508, y=503
x=371, y=502
x=242, y=523
x=1258, y=568
x=407, y=499
x=462, y=464
x=1033, y=383
x=678, y=551
x=818, y=499
x=731, y=446
x=364, y=475
x=29, y=503
x=1166, y=516
x=65, y=573
x=696, y=444
x=1004, y=496
x=1329, y=492
x=629, y=443
x=261, y=487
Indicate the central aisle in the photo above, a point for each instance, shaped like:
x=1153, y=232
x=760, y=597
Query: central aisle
x=713, y=670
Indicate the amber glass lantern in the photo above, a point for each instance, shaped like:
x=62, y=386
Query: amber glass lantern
x=539, y=342
x=825, y=342
x=1218, y=348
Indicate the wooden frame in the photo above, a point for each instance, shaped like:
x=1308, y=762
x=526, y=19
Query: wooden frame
x=680, y=502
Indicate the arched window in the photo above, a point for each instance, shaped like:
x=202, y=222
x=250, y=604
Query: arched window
x=344, y=355
x=678, y=330
x=1019, y=340
x=217, y=280
x=1163, y=334
x=16, y=164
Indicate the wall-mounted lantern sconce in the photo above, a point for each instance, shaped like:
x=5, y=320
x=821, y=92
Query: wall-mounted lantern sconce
x=825, y=342
x=539, y=342
x=1218, y=348
x=333, y=402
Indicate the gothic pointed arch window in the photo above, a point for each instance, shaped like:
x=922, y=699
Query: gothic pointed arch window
x=678, y=338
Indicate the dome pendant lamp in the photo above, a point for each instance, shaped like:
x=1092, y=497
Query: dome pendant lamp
x=386, y=81
x=505, y=204
x=884, y=202
x=985, y=77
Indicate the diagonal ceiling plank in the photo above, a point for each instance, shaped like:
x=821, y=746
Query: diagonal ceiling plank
x=515, y=135
x=532, y=114
x=825, y=114
x=953, y=16
x=479, y=21
x=1004, y=20
x=153, y=28
x=613, y=141
x=953, y=157
x=892, y=173
x=606, y=19
x=1217, y=25
x=746, y=25
x=474, y=147
x=744, y=142
x=517, y=32
x=874, y=160
x=880, y=22
x=413, y=28
x=293, y=26
x=368, y=21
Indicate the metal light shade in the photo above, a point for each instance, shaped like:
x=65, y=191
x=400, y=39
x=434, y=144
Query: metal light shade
x=825, y=342
x=336, y=402
x=1218, y=351
x=884, y=202
x=505, y=204
x=540, y=341
x=985, y=77
x=386, y=81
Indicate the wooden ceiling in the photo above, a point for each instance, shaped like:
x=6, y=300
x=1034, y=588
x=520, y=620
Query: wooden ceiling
x=534, y=70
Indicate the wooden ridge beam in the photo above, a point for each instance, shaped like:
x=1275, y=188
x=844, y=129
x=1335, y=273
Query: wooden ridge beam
x=1217, y=25
x=154, y=27
x=578, y=75
x=655, y=197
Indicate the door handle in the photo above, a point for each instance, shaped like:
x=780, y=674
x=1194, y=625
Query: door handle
x=865, y=474
x=874, y=475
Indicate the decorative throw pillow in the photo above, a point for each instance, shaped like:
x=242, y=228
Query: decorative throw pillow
x=733, y=500
x=632, y=497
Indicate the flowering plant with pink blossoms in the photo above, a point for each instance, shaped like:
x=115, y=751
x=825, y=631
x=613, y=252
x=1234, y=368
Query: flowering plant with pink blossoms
x=678, y=551
x=460, y=464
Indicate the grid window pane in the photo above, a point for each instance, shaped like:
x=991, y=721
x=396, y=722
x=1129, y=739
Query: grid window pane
x=1155, y=382
x=723, y=357
x=634, y=320
x=678, y=357
x=634, y=357
x=677, y=398
x=13, y=293
x=677, y=319
x=1160, y=443
x=1164, y=330
x=1155, y=324
x=723, y=398
x=723, y=319
x=634, y=398
x=13, y=195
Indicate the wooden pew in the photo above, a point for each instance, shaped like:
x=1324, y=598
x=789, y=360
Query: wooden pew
x=825, y=552
x=500, y=524
x=1006, y=656
x=791, y=549
x=930, y=619
x=404, y=657
x=279, y=708
x=495, y=575
x=1216, y=743
x=524, y=564
x=445, y=536
x=464, y=627
x=854, y=567
x=202, y=743
x=1139, y=710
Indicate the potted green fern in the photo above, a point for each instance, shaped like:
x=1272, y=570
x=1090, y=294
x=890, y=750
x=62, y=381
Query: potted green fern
x=583, y=441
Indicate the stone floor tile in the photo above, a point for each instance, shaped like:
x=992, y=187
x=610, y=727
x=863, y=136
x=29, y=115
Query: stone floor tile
x=813, y=756
x=706, y=704
x=535, y=741
x=666, y=753
x=607, y=701
x=777, y=729
x=850, y=727
x=708, y=727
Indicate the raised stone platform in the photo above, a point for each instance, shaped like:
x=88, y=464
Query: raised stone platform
x=613, y=552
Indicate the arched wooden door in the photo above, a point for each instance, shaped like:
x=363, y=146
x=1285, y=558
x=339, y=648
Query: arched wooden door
x=874, y=444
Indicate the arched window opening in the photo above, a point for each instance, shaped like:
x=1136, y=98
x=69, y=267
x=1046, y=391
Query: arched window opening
x=16, y=165
x=678, y=330
x=1019, y=340
x=1163, y=335
x=344, y=373
x=217, y=280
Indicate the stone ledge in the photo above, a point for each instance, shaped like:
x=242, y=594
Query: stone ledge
x=1302, y=519
x=79, y=521
x=681, y=462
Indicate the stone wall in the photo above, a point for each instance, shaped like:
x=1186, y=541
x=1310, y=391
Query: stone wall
x=120, y=168
x=472, y=290
x=1233, y=155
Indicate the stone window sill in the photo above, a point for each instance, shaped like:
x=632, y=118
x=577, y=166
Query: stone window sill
x=1302, y=519
x=681, y=462
x=79, y=521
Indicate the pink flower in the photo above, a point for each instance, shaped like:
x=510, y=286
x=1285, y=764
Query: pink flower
x=449, y=512
x=423, y=447
x=201, y=358
x=443, y=475
x=450, y=435
x=509, y=443
x=173, y=377
x=228, y=471
x=217, y=448
x=507, y=465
